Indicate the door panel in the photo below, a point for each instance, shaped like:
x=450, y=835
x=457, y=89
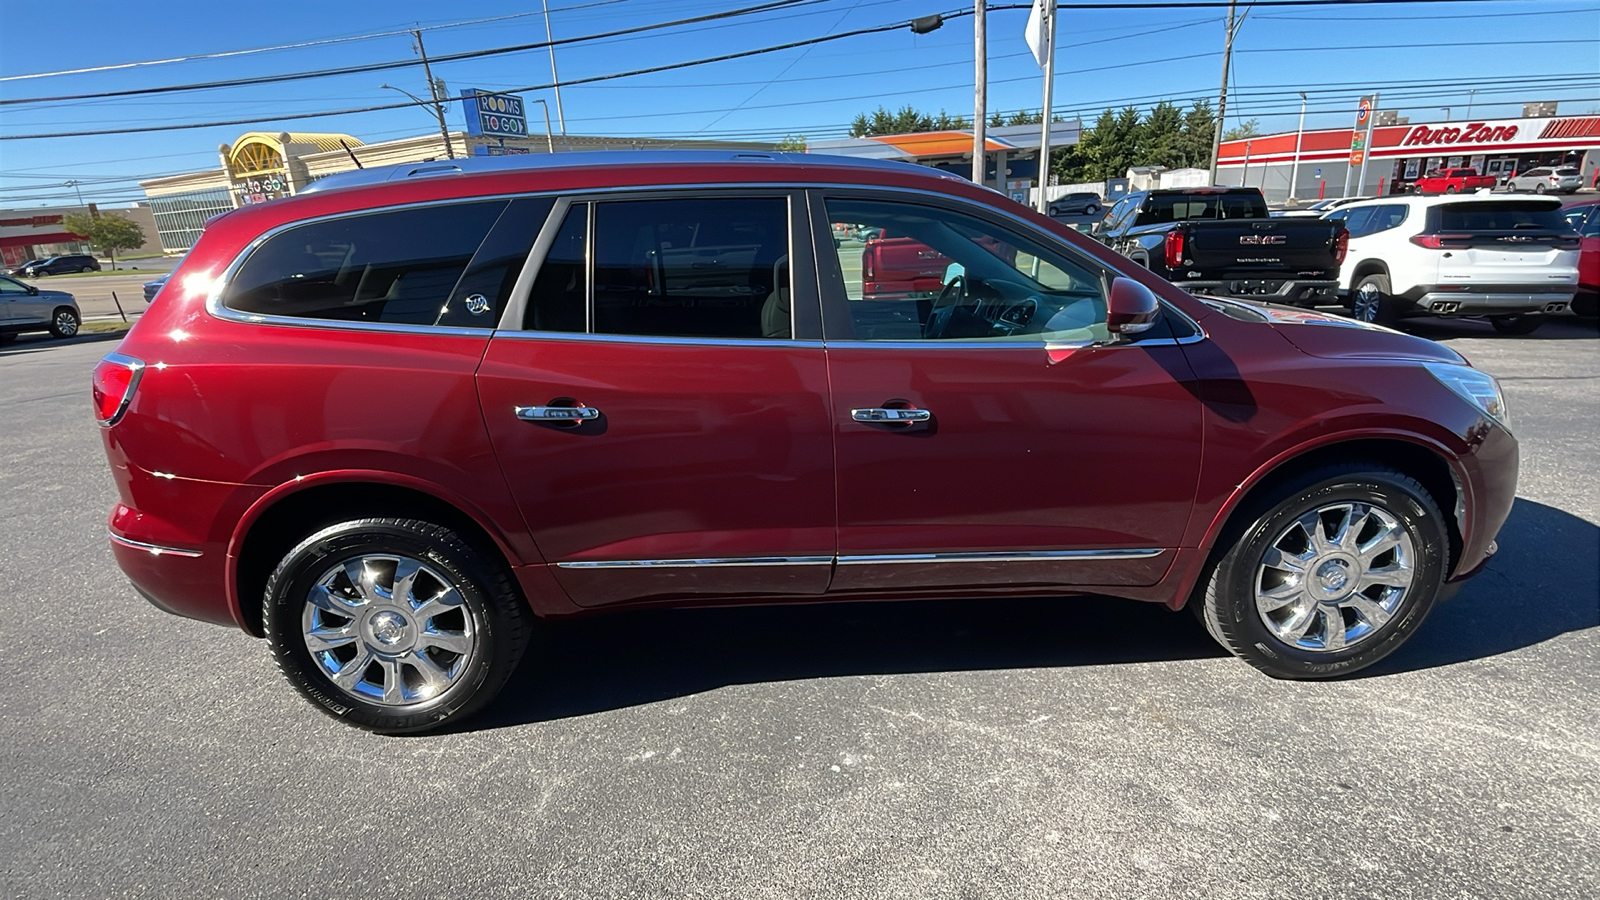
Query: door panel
x=711, y=453
x=1095, y=450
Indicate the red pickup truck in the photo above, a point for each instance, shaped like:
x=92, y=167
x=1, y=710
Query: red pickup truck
x=1452, y=181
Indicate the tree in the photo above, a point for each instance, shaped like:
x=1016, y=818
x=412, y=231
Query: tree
x=1162, y=136
x=793, y=143
x=106, y=233
x=1199, y=124
x=1243, y=130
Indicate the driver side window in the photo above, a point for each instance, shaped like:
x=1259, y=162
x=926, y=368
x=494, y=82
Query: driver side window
x=912, y=272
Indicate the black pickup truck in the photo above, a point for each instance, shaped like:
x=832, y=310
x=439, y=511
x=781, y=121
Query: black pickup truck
x=1222, y=241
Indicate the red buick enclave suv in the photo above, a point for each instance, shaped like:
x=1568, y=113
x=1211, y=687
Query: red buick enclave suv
x=392, y=423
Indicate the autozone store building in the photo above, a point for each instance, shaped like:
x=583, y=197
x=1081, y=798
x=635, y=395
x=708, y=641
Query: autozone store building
x=1400, y=154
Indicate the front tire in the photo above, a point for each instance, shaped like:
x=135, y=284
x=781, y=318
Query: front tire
x=1336, y=574
x=393, y=625
x=64, y=322
x=1523, y=323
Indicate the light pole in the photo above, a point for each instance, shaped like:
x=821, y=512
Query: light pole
x=550, y=44
x=1299, y=135
x=438, y=111
x=549, y=142
x=1471, y=96
x=74, y=185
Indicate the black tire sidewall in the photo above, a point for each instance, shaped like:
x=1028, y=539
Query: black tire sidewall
x=1230, y=598
x=285, y=599
x=55, y=330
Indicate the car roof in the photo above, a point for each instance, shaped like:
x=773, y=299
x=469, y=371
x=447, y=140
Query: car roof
x=1426, y=200
x=587, y=159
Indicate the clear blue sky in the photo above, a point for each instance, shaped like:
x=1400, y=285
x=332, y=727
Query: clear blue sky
x=1103, y=58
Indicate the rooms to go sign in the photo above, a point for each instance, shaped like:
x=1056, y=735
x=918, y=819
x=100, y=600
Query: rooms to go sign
x=496, y=115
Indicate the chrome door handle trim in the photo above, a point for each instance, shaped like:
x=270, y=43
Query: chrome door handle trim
x=892, y=416
x=557, y=414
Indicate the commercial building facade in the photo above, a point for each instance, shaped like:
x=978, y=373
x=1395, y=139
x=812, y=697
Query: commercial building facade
x=1401, y=153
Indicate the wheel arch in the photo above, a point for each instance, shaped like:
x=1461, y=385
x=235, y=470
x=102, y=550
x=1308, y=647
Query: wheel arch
x=285, y=516
x=1423, y=461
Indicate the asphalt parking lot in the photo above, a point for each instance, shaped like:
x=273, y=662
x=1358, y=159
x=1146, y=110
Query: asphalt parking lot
x=1070, y=747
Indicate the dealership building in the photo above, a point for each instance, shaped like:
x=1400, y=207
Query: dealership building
x=261, y=166
x=1400, y=152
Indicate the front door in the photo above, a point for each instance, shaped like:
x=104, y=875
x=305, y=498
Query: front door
x=661, y=416
x=14, y=300
x=987, y=432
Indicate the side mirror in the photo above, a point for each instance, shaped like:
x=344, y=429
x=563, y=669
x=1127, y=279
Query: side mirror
x=32, y=290
x=1132, y=309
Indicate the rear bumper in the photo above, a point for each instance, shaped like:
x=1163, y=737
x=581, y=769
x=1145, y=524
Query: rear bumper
x=1277, y=290
x=1488, y=299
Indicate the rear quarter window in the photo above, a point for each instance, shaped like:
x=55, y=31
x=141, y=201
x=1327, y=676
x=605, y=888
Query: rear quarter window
x=413, y=266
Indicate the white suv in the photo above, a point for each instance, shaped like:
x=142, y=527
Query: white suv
x=1512, y=259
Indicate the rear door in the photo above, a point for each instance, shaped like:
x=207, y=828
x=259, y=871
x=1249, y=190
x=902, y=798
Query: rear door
x=659, y=407
x=1512, y=242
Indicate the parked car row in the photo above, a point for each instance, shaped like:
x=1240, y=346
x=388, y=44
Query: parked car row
x=55, y=265
x=411, y=414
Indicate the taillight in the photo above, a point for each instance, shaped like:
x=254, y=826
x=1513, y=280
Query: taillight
x=1341, y=246
x=1174, y=249
x=115, y=379
x=1442, y=241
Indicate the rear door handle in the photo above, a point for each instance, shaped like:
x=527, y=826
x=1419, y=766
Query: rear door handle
x=891, y=416
x=558, y=415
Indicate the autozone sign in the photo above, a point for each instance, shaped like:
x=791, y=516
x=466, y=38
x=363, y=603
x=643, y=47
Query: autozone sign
x=1469, y=133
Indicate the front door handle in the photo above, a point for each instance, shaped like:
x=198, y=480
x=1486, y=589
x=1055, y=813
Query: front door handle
x=891, y=416
x=557, y=415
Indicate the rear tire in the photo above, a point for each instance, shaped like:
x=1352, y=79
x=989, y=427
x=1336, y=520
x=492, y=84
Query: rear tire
x=434, y=646
x=1449, y=189
x=1523, y=323
x=1538, y=188
x=1370, y=549
x=1371, y=302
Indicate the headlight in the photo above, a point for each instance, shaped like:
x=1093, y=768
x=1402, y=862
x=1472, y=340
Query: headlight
x=1478, y=388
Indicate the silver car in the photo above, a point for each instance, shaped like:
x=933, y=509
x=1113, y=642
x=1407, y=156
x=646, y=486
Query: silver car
x=1547, y=179
x=24, y=307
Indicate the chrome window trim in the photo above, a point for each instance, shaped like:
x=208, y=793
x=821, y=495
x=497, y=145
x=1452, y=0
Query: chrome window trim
x=1001, y=556
x=655, y=339
x=154, y=549
x=563, y=201
x=714, y=562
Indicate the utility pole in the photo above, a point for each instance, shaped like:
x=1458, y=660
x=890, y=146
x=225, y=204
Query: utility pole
x=1299, y=136
x=1049, y=89
x=438, y=108
x=980, y=95
x=1222, y=95
x=561, y=115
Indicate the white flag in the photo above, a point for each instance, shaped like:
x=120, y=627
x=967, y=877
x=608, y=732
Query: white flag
x=1034, y=33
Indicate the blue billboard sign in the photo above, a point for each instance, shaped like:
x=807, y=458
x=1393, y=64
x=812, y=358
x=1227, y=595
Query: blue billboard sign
x=494, y=115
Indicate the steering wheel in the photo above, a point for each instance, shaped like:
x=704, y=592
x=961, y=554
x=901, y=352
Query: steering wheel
x=944, y=306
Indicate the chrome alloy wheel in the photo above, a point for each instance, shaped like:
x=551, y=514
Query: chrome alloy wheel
x=1364, y=306
x=66, y=323
x=1335, y=576
x=389, y=630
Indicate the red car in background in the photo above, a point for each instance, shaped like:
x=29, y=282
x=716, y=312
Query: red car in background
x=392, y=423
x=1452, y=181
x=1585, y=219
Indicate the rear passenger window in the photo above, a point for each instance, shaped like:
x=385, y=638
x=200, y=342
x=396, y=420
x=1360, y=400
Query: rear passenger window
x=397, y=267
x=559, y=294
x=1386, y=217
x=1357, y=220
x=700, y=267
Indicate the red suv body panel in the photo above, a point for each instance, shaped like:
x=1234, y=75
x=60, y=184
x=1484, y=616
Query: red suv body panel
x=727, y=450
